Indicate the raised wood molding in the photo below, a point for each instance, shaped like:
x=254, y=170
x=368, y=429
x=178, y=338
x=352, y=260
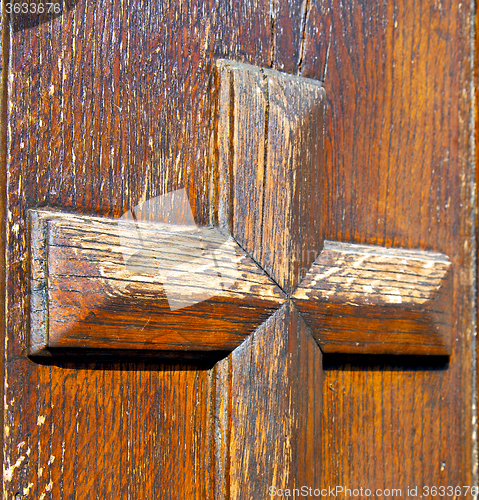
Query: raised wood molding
x=374, y=300
x=103, y=285
x=284, y=352
x=270, y=148
x=84, y=297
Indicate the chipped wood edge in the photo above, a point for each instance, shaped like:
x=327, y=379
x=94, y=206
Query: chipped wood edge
x=37, y=328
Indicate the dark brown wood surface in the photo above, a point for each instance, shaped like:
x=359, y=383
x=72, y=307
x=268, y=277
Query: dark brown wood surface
x=110, y=105
x=400, y=173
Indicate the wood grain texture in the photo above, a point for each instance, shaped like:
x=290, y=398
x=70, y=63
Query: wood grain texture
x=276, y=427
x=182, y=289
x=242, y=88
x=293, y=226
x=109, y=105
x=476, y=149
x=4, y=55
x=372, y=300
x=270, y=158
x=288, y=19
x=399, y=173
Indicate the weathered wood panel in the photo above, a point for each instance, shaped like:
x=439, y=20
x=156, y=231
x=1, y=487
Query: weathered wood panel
x=399, y=173
x=109, y=105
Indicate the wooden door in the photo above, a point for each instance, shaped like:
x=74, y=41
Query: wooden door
x=108, y=105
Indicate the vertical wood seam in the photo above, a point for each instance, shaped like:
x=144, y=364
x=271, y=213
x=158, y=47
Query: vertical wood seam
x=231, y=147
x=210, y=459
x=475, y=145
x=230, y=426
x=213, y=157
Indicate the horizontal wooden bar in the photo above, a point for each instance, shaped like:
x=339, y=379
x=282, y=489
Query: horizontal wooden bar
x=103, y=285
x=373, y=300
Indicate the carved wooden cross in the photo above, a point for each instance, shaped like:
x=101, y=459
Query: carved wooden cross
x=270, y=195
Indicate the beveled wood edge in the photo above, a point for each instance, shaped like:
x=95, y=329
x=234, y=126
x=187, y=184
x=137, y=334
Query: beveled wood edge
x=37, y=332
x=37, y=344
x=38, y=324
x=226, y=154
x=230, y=64
x=427, y=316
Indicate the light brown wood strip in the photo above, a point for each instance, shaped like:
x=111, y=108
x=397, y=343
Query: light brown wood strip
x=367, y=299
x=100, y=284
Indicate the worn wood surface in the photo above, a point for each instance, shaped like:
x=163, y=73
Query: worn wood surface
x=399, y=174
x=270, y=167
x=476, y=145
x=373, y=300
x=278, y=426
x=4, y=53
x=124, y=116
x=181, y=290
x=110, y=105
x=103, y=286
